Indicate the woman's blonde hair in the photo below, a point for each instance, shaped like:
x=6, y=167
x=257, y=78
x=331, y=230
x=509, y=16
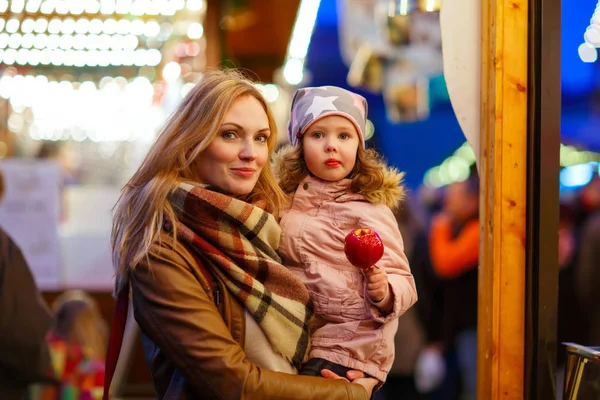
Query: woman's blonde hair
x=143, y=206
x=78, y=321
x=367, y=174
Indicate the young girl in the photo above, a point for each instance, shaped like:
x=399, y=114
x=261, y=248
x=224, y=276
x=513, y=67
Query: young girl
x=337, y=186
x=77, y=348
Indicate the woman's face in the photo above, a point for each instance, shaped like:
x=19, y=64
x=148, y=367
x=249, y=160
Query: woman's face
x=235, y=158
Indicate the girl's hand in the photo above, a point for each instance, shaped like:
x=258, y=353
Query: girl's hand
x=354, y=376
x=377, y=284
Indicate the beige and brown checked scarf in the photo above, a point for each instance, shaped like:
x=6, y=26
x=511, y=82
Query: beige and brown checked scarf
x=240, y=240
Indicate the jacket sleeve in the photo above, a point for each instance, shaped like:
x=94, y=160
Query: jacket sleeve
x=24, y=319
x=381, y=219
x=175, y=311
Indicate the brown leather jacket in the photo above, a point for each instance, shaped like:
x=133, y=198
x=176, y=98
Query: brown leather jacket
x=194, y=337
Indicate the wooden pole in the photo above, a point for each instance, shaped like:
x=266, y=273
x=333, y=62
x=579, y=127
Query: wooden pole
x=503, y=173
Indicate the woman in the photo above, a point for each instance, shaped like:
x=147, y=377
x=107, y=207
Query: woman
x=195, y=236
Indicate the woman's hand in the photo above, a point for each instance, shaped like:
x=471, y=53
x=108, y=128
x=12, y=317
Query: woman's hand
x=353, y=376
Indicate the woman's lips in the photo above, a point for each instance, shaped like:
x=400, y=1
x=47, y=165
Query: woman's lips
x=244, y=172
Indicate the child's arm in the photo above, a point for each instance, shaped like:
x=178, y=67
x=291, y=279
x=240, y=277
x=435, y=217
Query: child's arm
x=401, y=284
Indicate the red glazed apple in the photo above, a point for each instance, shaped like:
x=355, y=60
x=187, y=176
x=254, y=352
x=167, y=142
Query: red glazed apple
x=363, y=247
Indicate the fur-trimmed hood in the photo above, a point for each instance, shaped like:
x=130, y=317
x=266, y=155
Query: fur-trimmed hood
x=392, y=191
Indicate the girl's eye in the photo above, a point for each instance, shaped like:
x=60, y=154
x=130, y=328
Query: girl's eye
x=228, y=135
x=317, y=135
x=262, y=138
x=344, y=136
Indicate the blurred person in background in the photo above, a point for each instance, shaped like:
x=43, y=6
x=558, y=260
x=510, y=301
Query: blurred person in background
x=78, y=347
x=454, y=250
x=586, y=204
x=195, y=237
x=24, y=322
x=587, y=275
x=410, y=339
x=572, y=321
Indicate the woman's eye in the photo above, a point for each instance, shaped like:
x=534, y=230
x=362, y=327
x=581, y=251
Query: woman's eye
x=228, y=135
x=262, y=138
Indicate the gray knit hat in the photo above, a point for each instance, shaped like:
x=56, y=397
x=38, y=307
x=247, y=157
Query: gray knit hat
x=313, y=103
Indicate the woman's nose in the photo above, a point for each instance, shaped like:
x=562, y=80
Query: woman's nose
x=248, y=152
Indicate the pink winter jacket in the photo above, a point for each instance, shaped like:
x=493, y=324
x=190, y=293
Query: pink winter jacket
x=349, y=329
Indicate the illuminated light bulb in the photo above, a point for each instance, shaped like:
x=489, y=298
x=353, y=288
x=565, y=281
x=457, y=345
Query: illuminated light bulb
x=54, y=25
x=195, y=30
x=12, y=25
x=17, y=6
x=140, y=58
x=41, y=25
x=3, y=5
x=82, y=25
x=293, y=71
x=103, y=61
x=153, y=57
x=107, y=7
x=79, y=59
x=122, y=6
x=116, y=42
x=51, y=41
x=66, y=42
x=109, y=26
x=33, y=6
x=137, y=27
x=62, y=8
x=68, y=26
x=116, y=57
x=592, y=36
x=57, y=57
x=130, y=42
x=27, y=26
x=96, y=26
x=9, y=56
x=14, y=41
x=93, y=42
x=77, y=7
x=92, y=7
x=28, y=40
x=123, y=27
x=4, y=40
x=79, y=41
x=22, y=56
x=47, y=7
x=35, y=57
x=171, y=71
x=2, y=23
x=151, y=29
x=45, y=59
x=195, y=5
x=587, y=53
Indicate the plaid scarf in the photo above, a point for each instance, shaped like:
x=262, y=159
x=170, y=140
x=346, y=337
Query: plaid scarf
x=239, y=241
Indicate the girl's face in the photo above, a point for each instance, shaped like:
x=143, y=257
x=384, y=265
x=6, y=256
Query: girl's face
x=235, y=158
x=330, y=148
